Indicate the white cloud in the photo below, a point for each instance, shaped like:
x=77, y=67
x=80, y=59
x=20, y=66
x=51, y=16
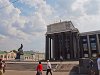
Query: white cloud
x=2, y=37
x=22, y=28
x=33, y=27
x=9, y=19
x=87, y=21
x=40, y=5
x=78, y=5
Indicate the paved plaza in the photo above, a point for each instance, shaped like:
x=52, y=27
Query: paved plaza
x=13, y=72
x=27, y=68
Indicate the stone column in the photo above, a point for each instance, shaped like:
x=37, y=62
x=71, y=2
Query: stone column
x=74, y=45
x=89, y=49
x=78, y=46
x=47, y=48
x=50, y=48
x=98, y=43
x=59, y=46
x=71, y=45
x=66, y=45
x=53, y=45
x=63, y=46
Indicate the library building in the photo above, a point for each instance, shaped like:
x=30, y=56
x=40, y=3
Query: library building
x=65, y=41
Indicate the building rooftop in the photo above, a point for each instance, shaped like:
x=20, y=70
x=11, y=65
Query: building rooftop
x=64, y=26
x=90, y=33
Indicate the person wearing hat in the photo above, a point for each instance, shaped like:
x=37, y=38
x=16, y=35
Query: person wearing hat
x=48, y=68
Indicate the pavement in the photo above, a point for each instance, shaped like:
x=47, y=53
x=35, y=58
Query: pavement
x=13, y=72
x=26, y=68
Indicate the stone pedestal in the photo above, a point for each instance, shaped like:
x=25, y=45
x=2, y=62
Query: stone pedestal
x=21, y=57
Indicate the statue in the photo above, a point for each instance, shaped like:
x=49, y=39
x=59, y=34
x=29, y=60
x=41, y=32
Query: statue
x=19, y=52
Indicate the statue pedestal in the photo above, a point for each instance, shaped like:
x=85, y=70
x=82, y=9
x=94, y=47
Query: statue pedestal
x=21, y=57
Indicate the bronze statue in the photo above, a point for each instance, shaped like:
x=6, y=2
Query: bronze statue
x=19, y=52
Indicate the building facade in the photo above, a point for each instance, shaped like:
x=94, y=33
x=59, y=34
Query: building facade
x=89, y=44
x=7, y=55
x=64, y=40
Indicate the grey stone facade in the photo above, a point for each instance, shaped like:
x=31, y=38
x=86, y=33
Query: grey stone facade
x=64, y=40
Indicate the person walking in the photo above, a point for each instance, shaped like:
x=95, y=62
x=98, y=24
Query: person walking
x=39, y=69
x=98, y=63
x=48, y=68
x=3, y=66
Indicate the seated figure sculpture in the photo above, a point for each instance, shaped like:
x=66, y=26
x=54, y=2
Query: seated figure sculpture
x=19, y=52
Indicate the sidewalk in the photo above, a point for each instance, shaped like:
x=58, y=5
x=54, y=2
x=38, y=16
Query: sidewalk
x=13, y=72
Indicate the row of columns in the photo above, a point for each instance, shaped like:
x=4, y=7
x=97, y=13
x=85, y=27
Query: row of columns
x=63, y=44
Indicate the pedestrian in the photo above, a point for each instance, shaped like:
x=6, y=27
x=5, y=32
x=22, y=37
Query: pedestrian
x=3, y=65
x=39, y=69
x=48, y=68
x=1, y=68
x=98, y=63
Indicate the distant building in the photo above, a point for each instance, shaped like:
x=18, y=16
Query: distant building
x=28, y=55
x=7, y=55
x=64, y=40
x=34, y=56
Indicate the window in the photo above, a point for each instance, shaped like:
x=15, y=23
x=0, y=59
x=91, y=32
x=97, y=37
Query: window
x=85, y=47
x=84, y=39
x=92, y=39
x=93, y=46
x=86, y=55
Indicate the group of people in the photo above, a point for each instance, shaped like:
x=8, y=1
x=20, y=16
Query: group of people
x=40, y=68
x=2, y=66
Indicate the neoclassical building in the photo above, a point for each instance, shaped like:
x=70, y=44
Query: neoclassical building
x=64, y=40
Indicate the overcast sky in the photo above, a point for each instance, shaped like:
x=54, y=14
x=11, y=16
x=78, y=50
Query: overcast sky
x=25, y=21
